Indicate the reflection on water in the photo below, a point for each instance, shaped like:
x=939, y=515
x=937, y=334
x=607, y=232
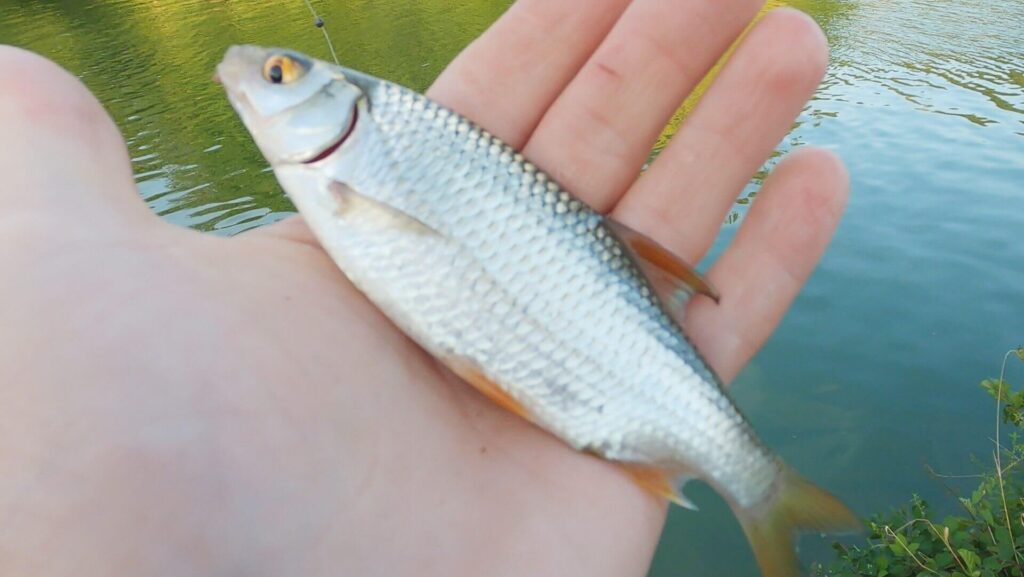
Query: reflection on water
x=150, y=64
x=932, y=54
x=872, y=374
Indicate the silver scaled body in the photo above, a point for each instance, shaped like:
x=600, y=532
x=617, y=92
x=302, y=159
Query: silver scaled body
x=483, y=259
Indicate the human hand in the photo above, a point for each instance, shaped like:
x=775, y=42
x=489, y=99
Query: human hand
x=173, y=402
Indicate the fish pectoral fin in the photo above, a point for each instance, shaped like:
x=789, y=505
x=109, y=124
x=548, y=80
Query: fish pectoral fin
x=659, y=482
x=349, y=201
x=472, y=374
x=673, y=279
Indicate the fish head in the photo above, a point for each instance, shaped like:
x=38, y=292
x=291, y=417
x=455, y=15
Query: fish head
x=299, y=110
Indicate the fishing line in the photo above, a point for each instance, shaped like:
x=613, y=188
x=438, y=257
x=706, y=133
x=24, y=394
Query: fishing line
x=319, y=23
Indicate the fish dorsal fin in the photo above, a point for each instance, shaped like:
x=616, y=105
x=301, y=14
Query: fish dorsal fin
x=672, y=279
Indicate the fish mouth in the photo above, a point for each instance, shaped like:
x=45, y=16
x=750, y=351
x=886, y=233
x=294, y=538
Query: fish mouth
x=323, y=154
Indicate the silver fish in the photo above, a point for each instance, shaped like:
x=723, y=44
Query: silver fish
x=550, y=308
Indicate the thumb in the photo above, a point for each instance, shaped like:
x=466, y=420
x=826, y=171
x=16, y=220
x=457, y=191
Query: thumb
x=60, y=153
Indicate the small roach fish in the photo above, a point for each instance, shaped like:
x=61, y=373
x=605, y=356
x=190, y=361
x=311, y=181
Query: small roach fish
x=554, y=311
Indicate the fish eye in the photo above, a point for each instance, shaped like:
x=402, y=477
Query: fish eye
x=283, y=69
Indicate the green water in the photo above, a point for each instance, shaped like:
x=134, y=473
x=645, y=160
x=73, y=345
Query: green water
x=873, y=373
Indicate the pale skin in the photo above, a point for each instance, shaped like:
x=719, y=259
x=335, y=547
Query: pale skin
x=174, y=403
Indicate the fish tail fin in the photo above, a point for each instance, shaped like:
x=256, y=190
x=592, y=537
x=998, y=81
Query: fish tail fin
x=797, y=505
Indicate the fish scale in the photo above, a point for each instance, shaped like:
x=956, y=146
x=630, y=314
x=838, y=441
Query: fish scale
x=631, y=333
x=515, y=284
x=487, y=192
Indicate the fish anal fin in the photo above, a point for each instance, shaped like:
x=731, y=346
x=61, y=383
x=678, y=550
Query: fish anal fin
x=797, y=505
x=658, y=482
x=472, y=374
x=348, y=201
x=655, y=256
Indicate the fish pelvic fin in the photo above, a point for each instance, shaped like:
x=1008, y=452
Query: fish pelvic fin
x=658, y=482
x=797, y=505
x=673, y=279
x=472, y=374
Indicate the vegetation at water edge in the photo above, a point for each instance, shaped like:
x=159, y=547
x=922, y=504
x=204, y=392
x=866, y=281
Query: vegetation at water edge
x=986, y=540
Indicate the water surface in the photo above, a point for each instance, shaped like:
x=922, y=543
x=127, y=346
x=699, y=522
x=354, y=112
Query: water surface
x=873, y=373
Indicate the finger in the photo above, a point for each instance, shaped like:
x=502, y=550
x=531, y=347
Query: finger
x=684, y=196
x=509, y=76
x=775, y=250
x=60, y=153
x=597, y=135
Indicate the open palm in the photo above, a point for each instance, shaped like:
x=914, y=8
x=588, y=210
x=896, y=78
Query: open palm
x=175, y=403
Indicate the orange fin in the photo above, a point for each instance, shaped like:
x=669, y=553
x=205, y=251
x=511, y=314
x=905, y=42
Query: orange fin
x=657, y=482
x=658, y=261
x=472, y=374
x=797, y=505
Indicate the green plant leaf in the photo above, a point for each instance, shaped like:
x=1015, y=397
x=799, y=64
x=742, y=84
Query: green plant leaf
x=970, y=558
x=992, y=564
x=968, y=504
x=1003, y=548
x=998, y=389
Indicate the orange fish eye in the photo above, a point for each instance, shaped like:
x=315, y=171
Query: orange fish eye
x=282, y=69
